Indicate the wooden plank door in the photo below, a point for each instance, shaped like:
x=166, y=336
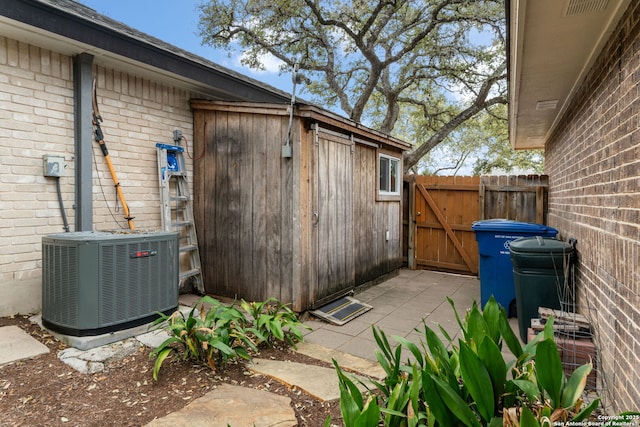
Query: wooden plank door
x=333, y=216
x=444, y=210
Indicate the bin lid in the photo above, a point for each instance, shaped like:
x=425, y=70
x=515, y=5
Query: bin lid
x=539, y=244
x=507, y=225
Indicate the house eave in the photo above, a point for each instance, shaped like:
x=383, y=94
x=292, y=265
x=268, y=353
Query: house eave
x=49, y=25
x=552, y=46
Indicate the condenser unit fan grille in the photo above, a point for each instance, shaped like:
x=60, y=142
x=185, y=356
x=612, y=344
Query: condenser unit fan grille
x=60, y=293
x=94, y=283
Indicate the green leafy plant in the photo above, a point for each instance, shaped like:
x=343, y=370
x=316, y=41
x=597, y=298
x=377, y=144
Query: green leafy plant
x=214, y=337
x=469, y=382
x=553, y=398
x=357, y=411
x=223, y=333
x=274, y=321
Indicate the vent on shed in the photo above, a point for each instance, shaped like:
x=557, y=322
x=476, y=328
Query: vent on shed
x=579, y=7
x=551, y=104
x=342, y=310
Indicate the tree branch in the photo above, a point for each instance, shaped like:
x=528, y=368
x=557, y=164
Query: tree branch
x=480, y=103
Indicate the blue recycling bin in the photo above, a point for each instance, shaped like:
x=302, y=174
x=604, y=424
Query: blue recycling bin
x=495, y=268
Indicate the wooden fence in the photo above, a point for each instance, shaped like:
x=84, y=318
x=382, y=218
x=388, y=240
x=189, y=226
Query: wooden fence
x=439, y=212
x=520, y=198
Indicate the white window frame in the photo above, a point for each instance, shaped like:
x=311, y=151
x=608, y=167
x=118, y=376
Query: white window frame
x=390, y=193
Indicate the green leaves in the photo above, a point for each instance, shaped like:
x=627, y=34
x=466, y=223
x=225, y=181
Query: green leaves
x=493, y=361
x=223, y=333
x=585, y=412
x=527, y=419
x=469, y=382
x=161, y=356
x=530, y=389
x=477, y=380
x=549, y=370
x=456, y=404
x=274, y=321
x=509, y=337
x=491, y=315
x=575, y=386
x=356, y=412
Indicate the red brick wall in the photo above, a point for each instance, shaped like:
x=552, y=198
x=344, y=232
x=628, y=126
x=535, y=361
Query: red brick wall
x=593, y=161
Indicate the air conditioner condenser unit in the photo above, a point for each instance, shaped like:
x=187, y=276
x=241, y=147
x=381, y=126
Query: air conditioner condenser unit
x=100, y=282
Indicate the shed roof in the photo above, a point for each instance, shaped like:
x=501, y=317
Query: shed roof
x=312, y=112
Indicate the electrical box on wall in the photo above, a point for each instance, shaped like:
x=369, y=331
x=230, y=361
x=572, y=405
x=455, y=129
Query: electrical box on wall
x=53, y=165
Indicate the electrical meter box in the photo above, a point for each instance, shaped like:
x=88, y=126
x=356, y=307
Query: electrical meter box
x=53, y=165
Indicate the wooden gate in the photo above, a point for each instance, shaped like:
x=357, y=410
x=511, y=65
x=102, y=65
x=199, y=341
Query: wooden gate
x=442, y=209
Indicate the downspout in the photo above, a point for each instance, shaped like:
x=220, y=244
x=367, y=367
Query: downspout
x=83, y=97
x=296, y=78
x=287, y=148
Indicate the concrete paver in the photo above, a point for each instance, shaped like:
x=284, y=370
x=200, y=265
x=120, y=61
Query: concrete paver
x=153, y=339
x=397, y=314
x=362, y=347
x=345, y=360
x=16, y=344
x=95, y=360
x=318, y=381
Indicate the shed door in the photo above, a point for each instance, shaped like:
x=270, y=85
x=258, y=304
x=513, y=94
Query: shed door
x=333, y=215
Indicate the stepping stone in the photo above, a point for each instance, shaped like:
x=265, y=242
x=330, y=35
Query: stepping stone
x=345, y=360
x=236, y=406
x=16, y=344
x=320, y=382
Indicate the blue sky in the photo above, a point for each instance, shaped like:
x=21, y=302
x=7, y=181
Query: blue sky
x=176, y=22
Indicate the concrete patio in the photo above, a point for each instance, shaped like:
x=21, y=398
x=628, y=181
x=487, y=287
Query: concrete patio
x=399, y=305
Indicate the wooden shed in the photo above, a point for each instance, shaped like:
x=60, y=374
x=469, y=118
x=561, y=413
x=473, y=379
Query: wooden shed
x=304, y=218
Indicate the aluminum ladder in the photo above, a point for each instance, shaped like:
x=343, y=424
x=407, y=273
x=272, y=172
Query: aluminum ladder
x=177, y=214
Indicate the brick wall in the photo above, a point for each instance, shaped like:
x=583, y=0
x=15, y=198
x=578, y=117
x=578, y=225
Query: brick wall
x=137, y=114
x=593, y=161
x=36, y=118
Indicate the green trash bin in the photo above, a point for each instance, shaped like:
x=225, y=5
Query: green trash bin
x=539, y=267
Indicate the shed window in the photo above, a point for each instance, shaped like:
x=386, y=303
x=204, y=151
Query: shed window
x=388, y=170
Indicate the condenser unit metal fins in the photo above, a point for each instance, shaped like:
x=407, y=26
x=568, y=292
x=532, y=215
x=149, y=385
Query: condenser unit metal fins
x=95, y=282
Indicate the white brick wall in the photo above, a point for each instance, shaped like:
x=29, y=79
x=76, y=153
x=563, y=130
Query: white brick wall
x=36, y=118
x=137, y=114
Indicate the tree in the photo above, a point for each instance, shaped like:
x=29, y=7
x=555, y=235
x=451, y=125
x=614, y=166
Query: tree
x=482, y=145
x=496, y=154
x=443, y=59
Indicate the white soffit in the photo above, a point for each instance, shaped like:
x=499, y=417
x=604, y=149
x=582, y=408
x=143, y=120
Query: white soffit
x=553, y=45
